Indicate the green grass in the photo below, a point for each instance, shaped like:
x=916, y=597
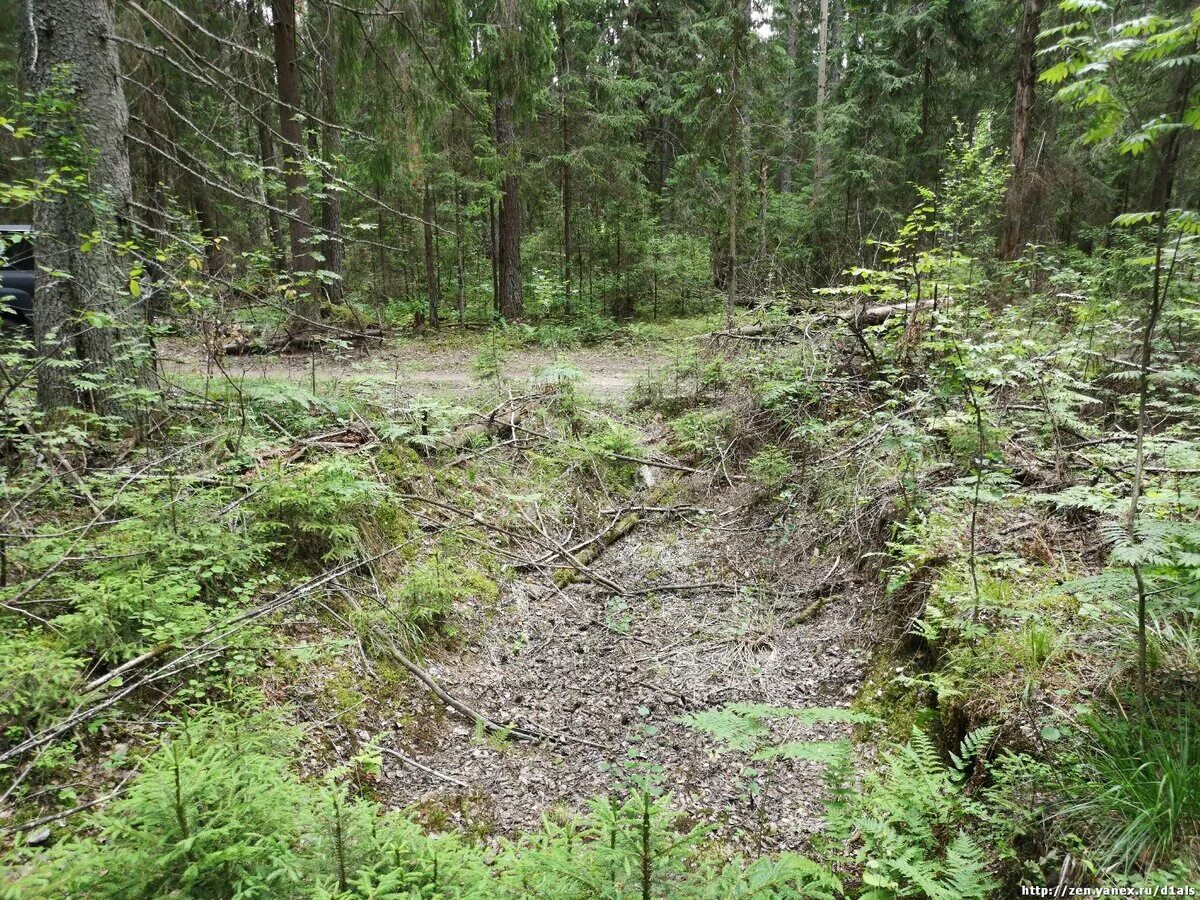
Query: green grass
x=1141, y=790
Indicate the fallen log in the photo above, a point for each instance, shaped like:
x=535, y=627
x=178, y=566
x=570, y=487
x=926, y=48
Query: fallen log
x=593, y=551
x=494, y=425
x=243, y=341
x=866, y=316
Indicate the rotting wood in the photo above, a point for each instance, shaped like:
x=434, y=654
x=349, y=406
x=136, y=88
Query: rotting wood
x=239, y=340
x=865, y=316
x=593, y=551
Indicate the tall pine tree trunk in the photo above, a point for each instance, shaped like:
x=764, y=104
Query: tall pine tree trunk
x=460, y=271
x=735, y=171
x=493, y=254
x=428, y=210
x=508, y=237
x=820, y=159
x=560, y=24
x=66, y=48
x=791, y=33
x=331, y=149
x=508, y=228
x=266, y=147
x=287, y=74
x=1016, y=200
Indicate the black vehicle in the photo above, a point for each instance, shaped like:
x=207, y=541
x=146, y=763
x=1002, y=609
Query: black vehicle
x=17, y=272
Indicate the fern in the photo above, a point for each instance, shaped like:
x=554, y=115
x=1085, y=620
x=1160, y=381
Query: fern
x=971, y=747
x=825, y=752
x=901, y=816
x=729, y=728
x=966, y=870
x=742, y=727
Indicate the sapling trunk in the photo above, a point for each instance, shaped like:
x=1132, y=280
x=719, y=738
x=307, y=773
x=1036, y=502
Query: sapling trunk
x=647, y=862
x=339, y=845
x=1164, y=185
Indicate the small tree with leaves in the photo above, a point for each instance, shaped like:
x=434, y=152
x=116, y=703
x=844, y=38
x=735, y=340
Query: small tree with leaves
x=1137, y=82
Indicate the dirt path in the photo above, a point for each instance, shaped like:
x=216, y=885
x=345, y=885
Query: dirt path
x=620, y=671
x=415, y=369
x=616, y=670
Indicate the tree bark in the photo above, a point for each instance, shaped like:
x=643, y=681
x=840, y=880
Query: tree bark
x=820, y=158
x=428, y=210
x=66, y=47
x=266, y=147
x=460, y=271
x=508, y=249
x=508, y=237
x=493, y=254
x=331, y=149
x=560, y=24
x=789, y=101
x=287, y=75
x=735, y=161
x=1016, y=200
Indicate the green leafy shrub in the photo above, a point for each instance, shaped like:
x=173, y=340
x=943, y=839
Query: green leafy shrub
x=604, y=446
x=317, y=512
x=699, y=433
x=37, y=678
x=154, y=576
x=637, y=847
x=430, y=590
x=118, y=614
x=213, y=813
x=769, y=468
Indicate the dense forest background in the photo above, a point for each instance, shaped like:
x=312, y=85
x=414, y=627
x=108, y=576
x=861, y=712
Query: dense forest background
x=557, y=161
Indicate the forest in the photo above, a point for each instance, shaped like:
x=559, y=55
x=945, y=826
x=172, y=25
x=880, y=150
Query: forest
x=599, y=449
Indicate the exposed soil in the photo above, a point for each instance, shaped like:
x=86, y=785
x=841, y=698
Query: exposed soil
x=605, y=671
x=620, y=671
x=414, y=369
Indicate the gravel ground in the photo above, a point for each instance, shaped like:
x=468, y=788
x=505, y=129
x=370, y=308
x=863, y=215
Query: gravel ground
x=620, y=672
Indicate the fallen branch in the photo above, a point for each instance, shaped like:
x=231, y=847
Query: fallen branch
x=581, y=565
x=592, y=552
x=195, y=655
x=493, y=425
x=645, y=461
x=353, y=437
x=441, y=776
x=66, y=814
x=472, y=714
x=152, y=653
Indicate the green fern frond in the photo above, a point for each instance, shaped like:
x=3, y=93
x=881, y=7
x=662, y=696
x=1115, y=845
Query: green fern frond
x=826, y=752
x=971, y=746
x=967, y=876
